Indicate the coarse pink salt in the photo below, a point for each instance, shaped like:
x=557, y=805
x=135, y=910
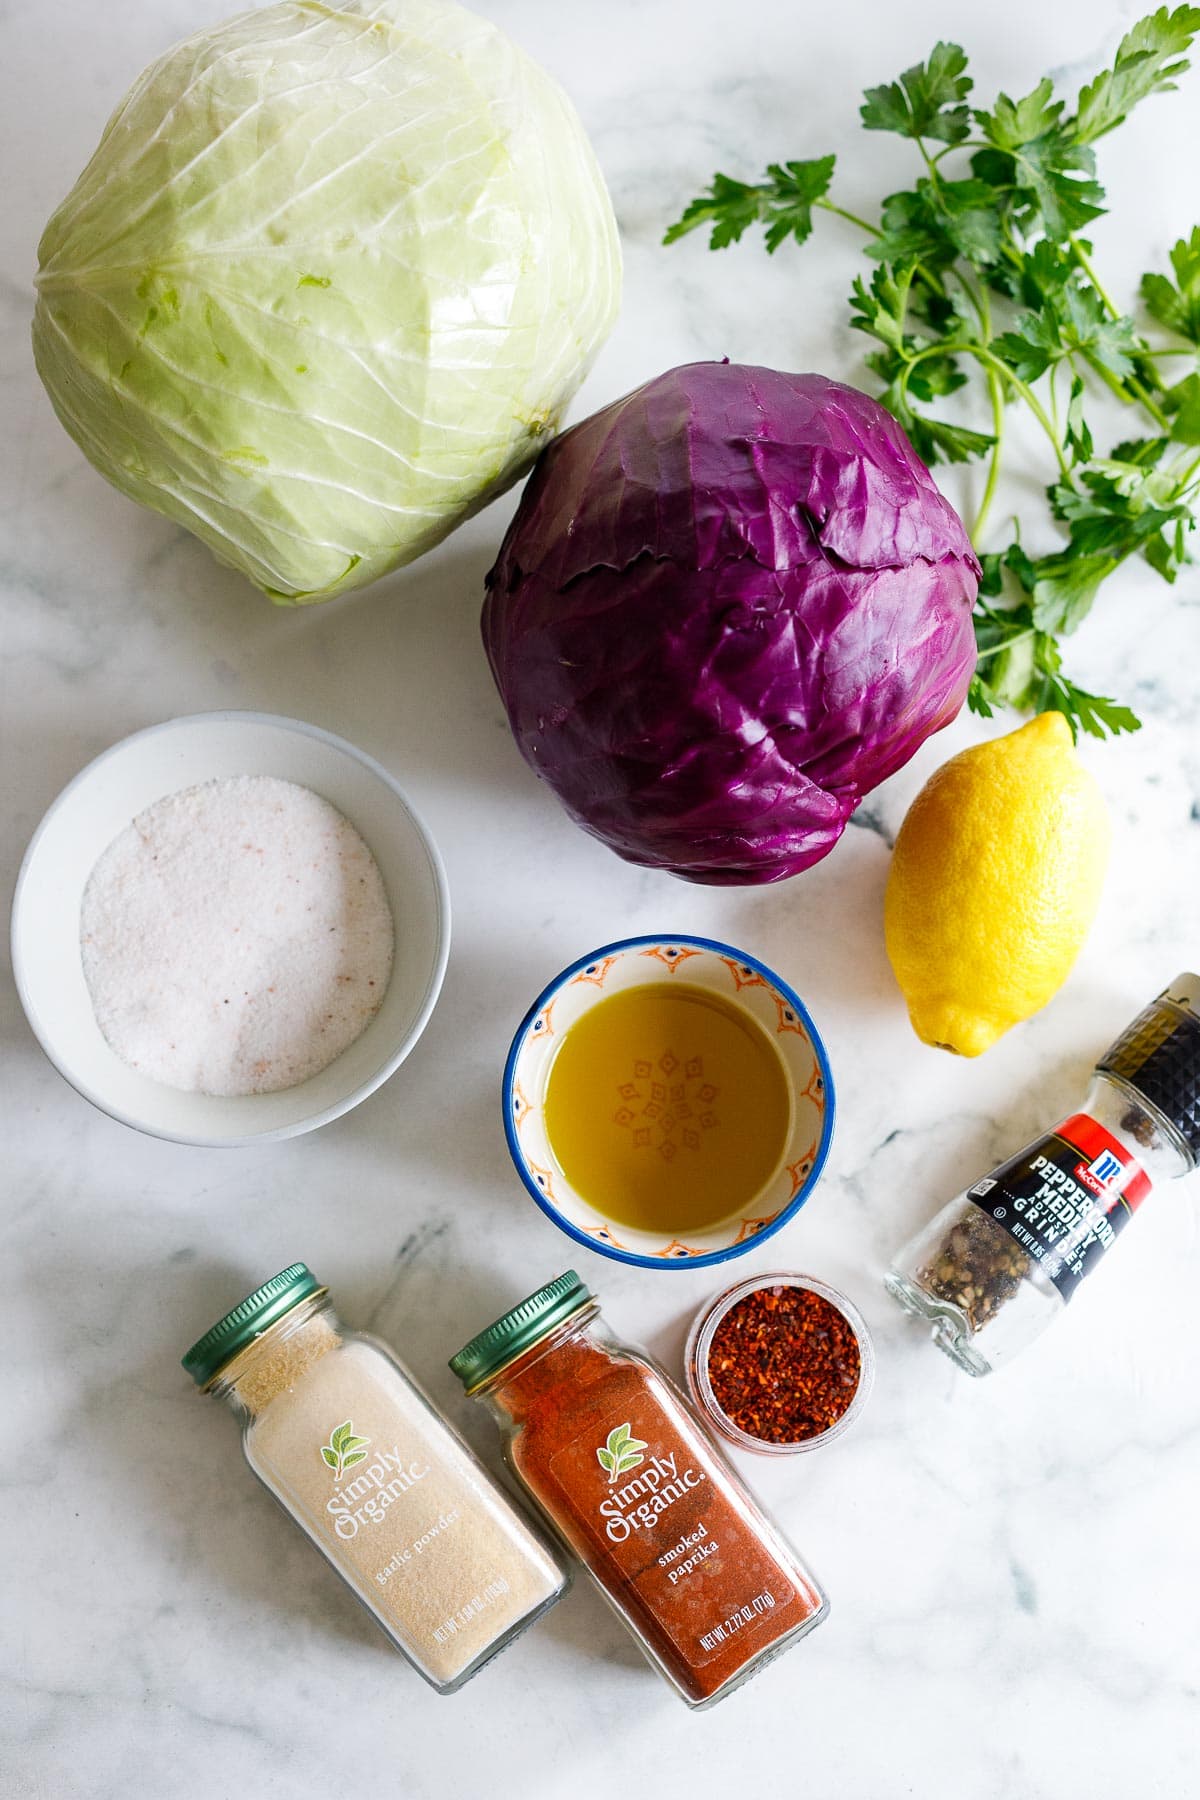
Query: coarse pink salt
x=236, y=937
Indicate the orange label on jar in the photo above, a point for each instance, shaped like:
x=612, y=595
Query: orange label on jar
x=666, y=1526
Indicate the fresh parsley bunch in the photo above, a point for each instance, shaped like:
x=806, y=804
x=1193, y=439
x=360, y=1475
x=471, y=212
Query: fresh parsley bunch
x=981, y=269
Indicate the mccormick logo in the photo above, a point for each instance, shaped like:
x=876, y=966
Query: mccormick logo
x=1100, y=1174
x=635, y=1505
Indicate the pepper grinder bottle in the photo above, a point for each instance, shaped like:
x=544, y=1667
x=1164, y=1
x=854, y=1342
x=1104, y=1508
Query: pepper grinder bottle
x=622, y=1467
x=337, y=1430
x=1001, y=1260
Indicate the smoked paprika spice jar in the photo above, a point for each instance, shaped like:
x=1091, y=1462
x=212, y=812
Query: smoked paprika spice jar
x=780, y=1363
x=620, y=1465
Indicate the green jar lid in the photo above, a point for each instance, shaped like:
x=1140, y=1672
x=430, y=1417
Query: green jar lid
x=248, y=1320
x=520, y=1328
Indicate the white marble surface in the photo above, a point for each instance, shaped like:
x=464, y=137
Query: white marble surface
x=1013, y=1564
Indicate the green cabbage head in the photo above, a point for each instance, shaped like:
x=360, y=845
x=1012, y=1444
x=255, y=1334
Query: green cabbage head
x=327, y=284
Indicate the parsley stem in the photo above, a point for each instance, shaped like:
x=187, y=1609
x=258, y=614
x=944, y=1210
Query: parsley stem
x=1131, y=386
x=990, y=361
x=979, y=301
x=1130, y=390
x=1152, y=407
x=1156, y=412
x=1084, y=261
x=1184, y=481
x=996, y=395
x=930, y=164
x=983, y=311
x=1108, y=378
x=928, y=276
x=842, y=213
x=1018, y=637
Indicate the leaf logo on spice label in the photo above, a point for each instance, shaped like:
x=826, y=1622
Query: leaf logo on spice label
x=344, y=1450
x=622, y=1452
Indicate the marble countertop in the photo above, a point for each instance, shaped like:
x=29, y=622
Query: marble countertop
x=1013, y=1564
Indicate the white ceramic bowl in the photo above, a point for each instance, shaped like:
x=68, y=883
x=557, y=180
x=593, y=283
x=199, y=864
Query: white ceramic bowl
x=701, y=962
x=103, y=799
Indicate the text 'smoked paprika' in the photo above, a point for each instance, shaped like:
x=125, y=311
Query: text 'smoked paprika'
x=621, y=1466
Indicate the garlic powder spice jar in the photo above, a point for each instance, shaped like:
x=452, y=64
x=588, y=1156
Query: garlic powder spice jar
x=610, y=1450
x=346, y=1441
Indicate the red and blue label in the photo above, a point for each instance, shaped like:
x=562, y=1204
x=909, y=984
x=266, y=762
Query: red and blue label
x=1065, y=1197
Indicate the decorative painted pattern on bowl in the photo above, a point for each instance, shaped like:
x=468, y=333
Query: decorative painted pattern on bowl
x=736, y=977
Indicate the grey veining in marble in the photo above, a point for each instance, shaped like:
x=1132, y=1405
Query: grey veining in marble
x=1014, y=1564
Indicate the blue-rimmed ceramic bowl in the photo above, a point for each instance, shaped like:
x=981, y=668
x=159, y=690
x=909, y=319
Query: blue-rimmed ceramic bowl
x=701, y=962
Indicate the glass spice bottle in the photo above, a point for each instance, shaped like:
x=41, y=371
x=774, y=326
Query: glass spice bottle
x=1001, y=1260
x=337, y=1430
x=621, y=1466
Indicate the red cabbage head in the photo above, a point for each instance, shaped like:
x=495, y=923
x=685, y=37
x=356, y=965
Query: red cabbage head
x=728, y=606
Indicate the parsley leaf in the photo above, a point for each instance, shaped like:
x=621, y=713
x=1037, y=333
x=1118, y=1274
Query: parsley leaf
x=1148, y=59
x=966, y=211
x=1060, y=588
x=910, y=232
x=1051, y=182
x=731, y=207
x=1050, y=174
x=928, y=101
x=1019, y=665
x=1094, y=713
x=1045, y=271
x=984, y=287
x=1008, y=654
x=783, y=203
x=1126, y=504
x=934, y=440
x=1183, y=403
x=879, y=307
x=936, y=375
x=979, y=698
x=1073, y=323
x=1012, y=123
x=1064, y=589
x=1106, y=342
x=1034, y=343
x=789, y=210
x=1077, y=436
x=1178, y=306
x=935, y=223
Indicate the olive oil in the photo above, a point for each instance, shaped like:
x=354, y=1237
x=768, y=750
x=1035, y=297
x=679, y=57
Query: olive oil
x=667, y=1107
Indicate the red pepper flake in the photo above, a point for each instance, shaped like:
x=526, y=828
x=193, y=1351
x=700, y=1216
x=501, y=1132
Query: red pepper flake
x=784, y=1364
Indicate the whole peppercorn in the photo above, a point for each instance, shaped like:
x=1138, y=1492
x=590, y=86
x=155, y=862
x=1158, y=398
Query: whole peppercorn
x=976, y=1268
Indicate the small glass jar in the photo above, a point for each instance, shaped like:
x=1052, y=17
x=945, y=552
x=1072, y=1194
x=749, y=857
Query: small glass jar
x=338, y=1431
x=793, y=1359
x=613, y=1454
x=1000, y=1261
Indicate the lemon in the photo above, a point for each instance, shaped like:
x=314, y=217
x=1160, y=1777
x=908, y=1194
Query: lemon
x=994, y=884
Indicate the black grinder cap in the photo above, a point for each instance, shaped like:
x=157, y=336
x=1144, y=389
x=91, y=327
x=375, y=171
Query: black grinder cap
x=1158, y=1055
